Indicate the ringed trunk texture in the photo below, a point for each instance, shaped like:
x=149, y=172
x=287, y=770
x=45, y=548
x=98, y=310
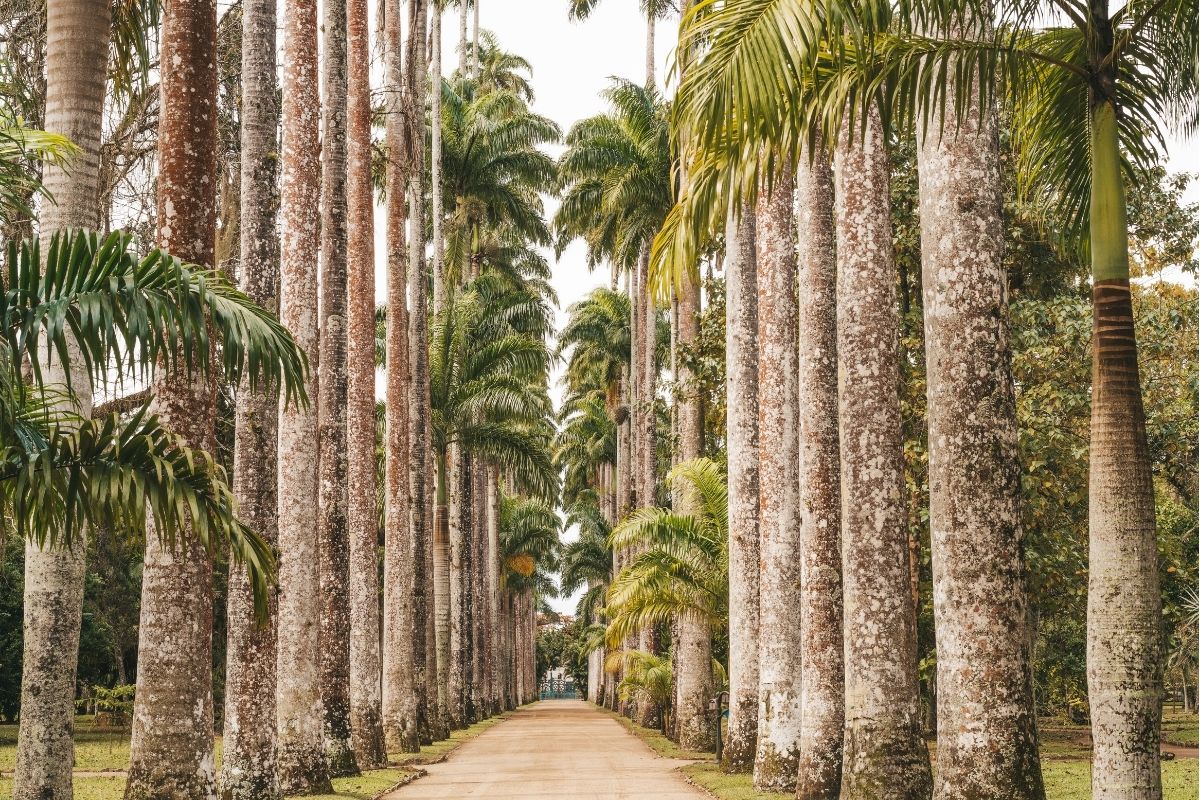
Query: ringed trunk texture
x=478, y=609
x=884, y=753
x=779, y=487
x=695, y=686
x=366, y=699
x=76, y=59
x=302, y=765
x=822, y=682
x=741, y=381
x=248, y=760
x=171, y=750
x=986, y=723
x=399, y=699
x=334, y=544
x=645, y=711
x=441, y=588
x=1124, y=603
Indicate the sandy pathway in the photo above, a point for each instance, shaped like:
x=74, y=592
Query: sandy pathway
x=553, y=749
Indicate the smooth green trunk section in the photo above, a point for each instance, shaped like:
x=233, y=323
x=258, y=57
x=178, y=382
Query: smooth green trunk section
x=1108, y=226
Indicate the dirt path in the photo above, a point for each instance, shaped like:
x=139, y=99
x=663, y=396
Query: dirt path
x=553, y=749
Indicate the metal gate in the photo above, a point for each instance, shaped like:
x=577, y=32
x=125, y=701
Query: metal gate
x=557, y=689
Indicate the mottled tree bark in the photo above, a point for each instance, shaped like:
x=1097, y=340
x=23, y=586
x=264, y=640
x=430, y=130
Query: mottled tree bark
x=455, y=587
x=822, y=682
x=302, y=764
x=366, y=712
x=645, y=711
x=884, y=754
x=693, y=638
x=987, y=726
x=171, y=750
x=334, y=544
x=779, y=485
x=420, y=455
x=493, y=591
x=399, y=700
x=741, y=441
x=77, y=35
x=478, y=609
x=248, y=760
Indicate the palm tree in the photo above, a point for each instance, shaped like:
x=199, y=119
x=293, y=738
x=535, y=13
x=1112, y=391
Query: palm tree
x=302, y=763
x=399, y=698
x=366, y=713
x=587, y=561
x=333, y=543
x=248, y=760
x=682, y=568
x=742, y=443
x=76, y=65
x=884, y=750
x=63, y=471
x=1065, y=86
x=172, y=743
x=822, y=681
x=648, y=679
x=529, y=550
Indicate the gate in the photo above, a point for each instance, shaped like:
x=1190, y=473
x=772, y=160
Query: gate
x=557, y=689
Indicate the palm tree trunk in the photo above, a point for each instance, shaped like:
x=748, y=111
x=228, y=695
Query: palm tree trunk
x=822, y=678
x=650, y=50
x=475, y=40
x=693, y=640
x=420, y=456
x=302, y=764
x=741, y=441
x=478, y=579
x=334, y=546
x=366, y=711
x=435, y=158
x=441, y=581
x=399, y=714
x=76, y=57
x=884, y=753
x=1124, y=655
x=248, y=762
x=987, y=726
x=495, y=703
x=779, y=485
x=171, y=750
x=456, y=677
x=462, y=36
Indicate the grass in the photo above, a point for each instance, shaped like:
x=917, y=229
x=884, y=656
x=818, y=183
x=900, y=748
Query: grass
x=655, y=740
x=1180, y=727
x=433, y=753
x=108, y=750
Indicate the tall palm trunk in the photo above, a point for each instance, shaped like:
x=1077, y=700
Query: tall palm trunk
x=399, y=699
x=366, y=713
x=302, y=764
x=822, y=679
x=646, y=713
x=693, y=638
x=455, y=600
x=420, y=456
x=478, y=608
x=334, y=545
x=435, y=156
x=493, y=590
x=77, y=34
x=1124, y=655
x=248, y=762
x=741, y=381
x=884, y=752
x=779, y=485
x=987, y=726
x=171, y=750
x=441, y=581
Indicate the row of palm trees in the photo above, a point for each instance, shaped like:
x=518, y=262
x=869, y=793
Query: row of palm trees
x=790, y=105
x=326, y=673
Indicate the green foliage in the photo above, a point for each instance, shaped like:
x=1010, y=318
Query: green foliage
x=681, y=563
